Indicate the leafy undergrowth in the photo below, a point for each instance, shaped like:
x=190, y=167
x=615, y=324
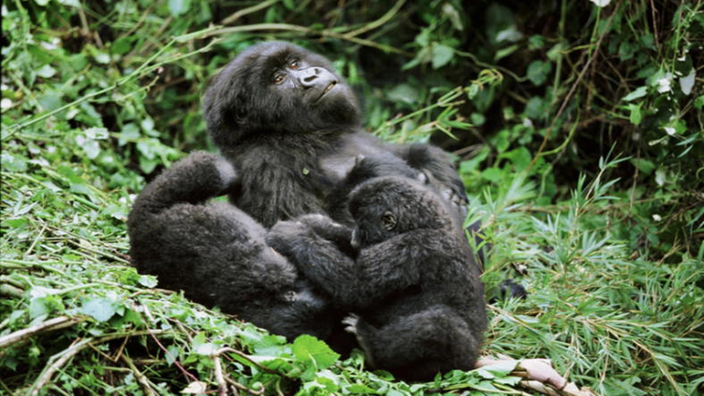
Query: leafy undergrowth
x=97, y=97
x=618, y=324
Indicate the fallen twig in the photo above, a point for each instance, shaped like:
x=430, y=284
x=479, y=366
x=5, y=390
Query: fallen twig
x=49, y=325
x=57, y=361
x=540, y=377
x=222, y=385
x=141, y=378
x=246, y=357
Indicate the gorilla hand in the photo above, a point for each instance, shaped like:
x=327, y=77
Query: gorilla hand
x=286, y=237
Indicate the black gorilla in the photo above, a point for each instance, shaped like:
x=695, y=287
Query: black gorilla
x=291, y=127
x=414, y=283
x=216, y=253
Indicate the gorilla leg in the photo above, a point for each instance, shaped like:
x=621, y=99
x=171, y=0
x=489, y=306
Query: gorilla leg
x=194, y=179
x=418, y=346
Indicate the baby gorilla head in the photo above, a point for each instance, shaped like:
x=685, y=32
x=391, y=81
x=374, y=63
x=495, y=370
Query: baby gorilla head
x=387, y=206
x=277, y=87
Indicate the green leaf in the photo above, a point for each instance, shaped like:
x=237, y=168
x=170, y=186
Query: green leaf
x=699, y=102
x=307, y=348
x=636, y=113
x=179, y=7
x=122, y=45
x=442, y=55
x=492, y=174
x=46, y=71
x=361, y=389
x=687, y=82
x=638, y=93
x=504, y=52
x=404, y=93
x=13, y=163
x=643, y=165
x=71, y=3
x=147, y=280
x=478, y=119
x=78, y=185
x=99, y=308
x=538, y=72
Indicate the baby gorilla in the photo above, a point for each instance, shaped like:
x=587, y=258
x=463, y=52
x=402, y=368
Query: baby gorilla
x=414, y=284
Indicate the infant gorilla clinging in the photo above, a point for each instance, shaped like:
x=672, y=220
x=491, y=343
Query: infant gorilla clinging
x=414, y=285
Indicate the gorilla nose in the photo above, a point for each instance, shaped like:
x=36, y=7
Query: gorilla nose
x=308, y=77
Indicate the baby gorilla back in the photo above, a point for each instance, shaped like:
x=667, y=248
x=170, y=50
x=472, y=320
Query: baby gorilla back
x=432, y=316
x=216, y=253
x=414, y=284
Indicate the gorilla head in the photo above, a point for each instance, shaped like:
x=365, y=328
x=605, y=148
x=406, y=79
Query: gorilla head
x=277, y=87
x=387, y=206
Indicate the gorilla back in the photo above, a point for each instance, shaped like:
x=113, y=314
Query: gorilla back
x=216, y=253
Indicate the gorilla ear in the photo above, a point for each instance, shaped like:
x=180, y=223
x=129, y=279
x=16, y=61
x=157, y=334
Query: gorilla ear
x=222, y=107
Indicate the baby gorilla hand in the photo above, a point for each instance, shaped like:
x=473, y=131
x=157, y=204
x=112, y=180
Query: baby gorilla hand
x=327, y=228
x=286, y=237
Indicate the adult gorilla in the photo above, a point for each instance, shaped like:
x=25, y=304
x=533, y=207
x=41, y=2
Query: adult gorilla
x=291, y=128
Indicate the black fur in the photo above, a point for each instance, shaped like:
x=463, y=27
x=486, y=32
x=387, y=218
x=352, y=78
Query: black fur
x=414, y=283
x=216, y=253
x=291, y=145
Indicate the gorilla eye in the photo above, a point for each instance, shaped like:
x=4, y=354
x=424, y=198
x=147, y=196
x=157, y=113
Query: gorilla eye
x=294, y=65
x=388, y=220
x=279, y=79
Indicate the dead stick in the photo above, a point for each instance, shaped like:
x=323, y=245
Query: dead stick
x=51, y=324
x=222, y=386
x=246, y=357
x=55, y=362
x=141, y=378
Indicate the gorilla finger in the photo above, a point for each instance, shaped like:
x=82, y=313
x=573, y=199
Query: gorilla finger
x=422, y=177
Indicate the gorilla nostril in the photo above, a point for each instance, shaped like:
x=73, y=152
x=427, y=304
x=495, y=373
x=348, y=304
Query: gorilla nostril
x=310, y=78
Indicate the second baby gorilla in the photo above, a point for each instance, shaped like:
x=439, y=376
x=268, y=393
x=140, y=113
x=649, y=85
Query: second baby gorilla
x=414, y=283
x=216, y=253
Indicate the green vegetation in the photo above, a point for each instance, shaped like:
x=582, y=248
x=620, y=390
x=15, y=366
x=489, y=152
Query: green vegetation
x=578, y=131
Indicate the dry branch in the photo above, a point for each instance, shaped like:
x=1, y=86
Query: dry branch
x=49, y=325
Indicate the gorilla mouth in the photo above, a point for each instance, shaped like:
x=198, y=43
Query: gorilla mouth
x=327, y=89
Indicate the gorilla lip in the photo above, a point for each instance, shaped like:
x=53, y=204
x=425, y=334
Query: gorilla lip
x=327, y=89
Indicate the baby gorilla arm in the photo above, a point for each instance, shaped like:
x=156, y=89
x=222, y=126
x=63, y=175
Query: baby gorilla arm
x=312, y=243
x=391, y=266
x=380, y=270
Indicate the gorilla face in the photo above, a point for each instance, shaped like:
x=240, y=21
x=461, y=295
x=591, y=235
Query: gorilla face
x=388, y=206
x=277, y=87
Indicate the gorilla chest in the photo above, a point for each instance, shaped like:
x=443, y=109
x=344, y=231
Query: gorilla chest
x=335, y=165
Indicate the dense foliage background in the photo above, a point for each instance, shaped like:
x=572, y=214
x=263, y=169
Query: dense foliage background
x=577, y=129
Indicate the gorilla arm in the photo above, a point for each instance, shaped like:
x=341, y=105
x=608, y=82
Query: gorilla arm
x=318, y=259
x=392, y=266
x=379, y=270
